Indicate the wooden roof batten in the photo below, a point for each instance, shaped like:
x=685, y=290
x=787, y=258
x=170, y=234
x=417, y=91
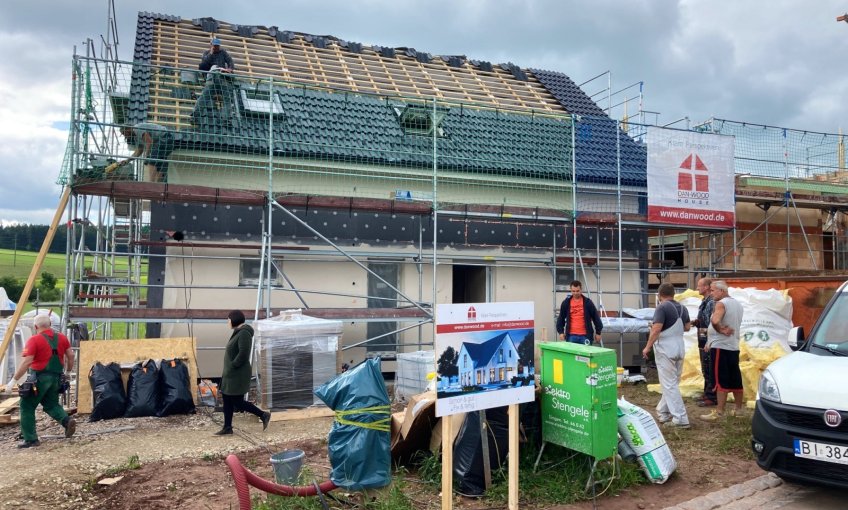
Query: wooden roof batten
x=181, y=44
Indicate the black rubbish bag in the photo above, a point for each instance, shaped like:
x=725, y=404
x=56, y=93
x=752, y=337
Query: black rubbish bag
x=143, y=390
x=109, y=398
x=468, y=449
x=174, y=388
x=359, y=440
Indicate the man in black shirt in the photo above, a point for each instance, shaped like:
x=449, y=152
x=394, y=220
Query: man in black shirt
x=705, y=311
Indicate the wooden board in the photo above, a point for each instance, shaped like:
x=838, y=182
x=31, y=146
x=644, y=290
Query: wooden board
x=301, y=414
x=9, y=404
x=8, y=419
x=129, y=352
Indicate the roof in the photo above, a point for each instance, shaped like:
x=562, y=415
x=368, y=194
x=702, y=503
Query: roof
x=342, y=99
x=482, y=353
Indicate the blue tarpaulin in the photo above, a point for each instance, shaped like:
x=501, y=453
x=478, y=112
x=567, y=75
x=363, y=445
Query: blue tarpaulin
x=359, y=443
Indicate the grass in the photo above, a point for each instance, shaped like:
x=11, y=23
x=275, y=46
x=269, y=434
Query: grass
x=18, y=264
x=560, y=479
x=131, y=464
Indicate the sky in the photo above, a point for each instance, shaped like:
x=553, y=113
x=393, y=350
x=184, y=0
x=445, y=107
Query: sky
x=772, y=62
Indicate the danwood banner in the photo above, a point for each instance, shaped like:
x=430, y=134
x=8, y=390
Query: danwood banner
x=690, y=178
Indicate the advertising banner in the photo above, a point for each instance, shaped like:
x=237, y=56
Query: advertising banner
x=484, y=356
x=690, y=178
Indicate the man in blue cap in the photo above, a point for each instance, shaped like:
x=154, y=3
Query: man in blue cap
x=216, y=56
x=218, y=63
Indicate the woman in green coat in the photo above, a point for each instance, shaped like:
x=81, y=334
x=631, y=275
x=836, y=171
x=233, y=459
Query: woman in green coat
x=235, y=380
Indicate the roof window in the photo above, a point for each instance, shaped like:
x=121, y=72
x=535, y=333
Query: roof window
x=259, y=100
x=421, y=120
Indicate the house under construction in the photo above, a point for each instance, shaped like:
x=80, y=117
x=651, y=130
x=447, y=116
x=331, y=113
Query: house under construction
x=367, y=183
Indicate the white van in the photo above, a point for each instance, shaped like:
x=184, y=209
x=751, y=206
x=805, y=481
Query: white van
x=800, y=425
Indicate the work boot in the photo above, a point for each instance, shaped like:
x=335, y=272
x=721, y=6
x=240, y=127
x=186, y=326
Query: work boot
x=266, y=417
x=226, y=431
x=70, y=425
x=29, y=444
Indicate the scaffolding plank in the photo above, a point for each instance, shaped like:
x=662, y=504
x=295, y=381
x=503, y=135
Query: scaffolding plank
x=91, y=313
x=203, y=194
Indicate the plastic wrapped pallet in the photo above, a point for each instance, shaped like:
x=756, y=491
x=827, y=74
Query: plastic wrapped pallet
x=640, y=431
x=295, y=354
x=411, y=375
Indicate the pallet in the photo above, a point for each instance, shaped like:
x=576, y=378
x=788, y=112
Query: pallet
x=9, y=405
x=8, y=419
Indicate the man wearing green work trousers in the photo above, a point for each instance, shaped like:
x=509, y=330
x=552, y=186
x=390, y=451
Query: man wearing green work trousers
x=45, y=356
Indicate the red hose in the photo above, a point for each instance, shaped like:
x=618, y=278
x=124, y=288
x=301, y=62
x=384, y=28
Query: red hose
x=244, y=478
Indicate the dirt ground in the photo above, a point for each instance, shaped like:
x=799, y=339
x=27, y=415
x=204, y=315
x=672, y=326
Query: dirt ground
x=182, y=464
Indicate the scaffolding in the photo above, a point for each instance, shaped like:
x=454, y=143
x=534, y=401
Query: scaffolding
x=425, y=196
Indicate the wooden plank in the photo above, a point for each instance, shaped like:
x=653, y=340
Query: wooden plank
x=83, y=312
x=512, y=490
x=9, y=404
x=8, y=419
x=447, y=464
x=130, y=352
x=34, y=272
x=301, y=414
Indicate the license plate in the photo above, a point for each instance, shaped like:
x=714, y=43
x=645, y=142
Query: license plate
x=821, y=451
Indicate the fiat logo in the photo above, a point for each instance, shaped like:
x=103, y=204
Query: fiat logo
x=832, y=418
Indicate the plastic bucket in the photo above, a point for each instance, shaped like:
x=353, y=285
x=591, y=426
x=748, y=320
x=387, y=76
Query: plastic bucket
x=287, y=465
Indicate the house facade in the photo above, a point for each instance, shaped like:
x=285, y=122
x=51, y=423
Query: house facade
x=494, y=361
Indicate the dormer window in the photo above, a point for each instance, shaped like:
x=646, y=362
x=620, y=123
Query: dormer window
x=421, y=120
x=260, y=100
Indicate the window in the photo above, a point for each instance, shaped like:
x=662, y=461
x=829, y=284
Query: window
x=249, y=272
x=419, y=119
x=259, y=99
x=500, y=356
x=381, y=295
x=464, y=361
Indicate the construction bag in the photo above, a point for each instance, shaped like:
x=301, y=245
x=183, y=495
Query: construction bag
x=109, y=398
x=174, y=388
x=143, y=390
x=643, y=437
x=468, y=466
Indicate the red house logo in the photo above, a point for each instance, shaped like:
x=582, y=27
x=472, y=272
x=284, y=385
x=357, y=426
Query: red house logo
x=472, y=313
x=694, y=164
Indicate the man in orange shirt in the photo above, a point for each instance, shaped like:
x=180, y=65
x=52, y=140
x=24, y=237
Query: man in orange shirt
x=578, y=320
x=46, y=354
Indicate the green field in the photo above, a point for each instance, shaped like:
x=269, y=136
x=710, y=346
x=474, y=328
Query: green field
x=18, y=264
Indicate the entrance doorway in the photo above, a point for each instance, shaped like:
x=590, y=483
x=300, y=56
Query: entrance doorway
x=470, y=284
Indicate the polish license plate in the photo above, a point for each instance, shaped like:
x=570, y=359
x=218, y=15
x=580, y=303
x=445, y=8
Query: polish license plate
x=821, y=451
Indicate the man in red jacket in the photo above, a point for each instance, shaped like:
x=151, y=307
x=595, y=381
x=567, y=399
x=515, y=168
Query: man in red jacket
x=45, y=356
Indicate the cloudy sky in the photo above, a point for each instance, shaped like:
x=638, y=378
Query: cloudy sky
x=774, y=62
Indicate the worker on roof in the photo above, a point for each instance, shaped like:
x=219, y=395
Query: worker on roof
x=154, y=143
x=218, y=64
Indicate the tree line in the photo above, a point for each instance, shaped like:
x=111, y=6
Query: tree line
x=31, y=237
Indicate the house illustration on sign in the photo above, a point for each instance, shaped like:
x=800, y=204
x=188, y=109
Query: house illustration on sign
x=494, y=361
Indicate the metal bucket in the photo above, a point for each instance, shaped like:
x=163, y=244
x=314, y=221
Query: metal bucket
x=287, y=465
